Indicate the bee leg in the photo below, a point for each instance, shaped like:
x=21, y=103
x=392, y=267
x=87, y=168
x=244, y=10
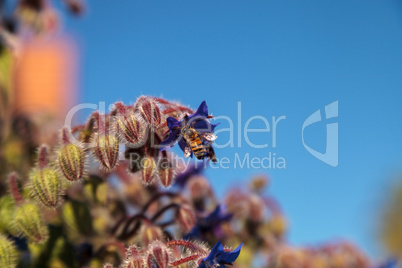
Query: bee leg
x=211, y=154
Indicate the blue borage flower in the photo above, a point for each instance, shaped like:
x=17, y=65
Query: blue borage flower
x=218, y=257
x=209, y=224
x=199, y=122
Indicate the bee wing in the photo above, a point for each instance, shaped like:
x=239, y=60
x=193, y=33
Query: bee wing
x=187, y=152
x=209, y=136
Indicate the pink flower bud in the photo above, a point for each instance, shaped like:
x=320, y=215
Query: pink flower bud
x=128, y=125
x=185, y=218
x=132, y=251
x=148, y=170
x=149, y=110
x=106, y=150
x=134, y=262
x=158, y=254
x=199, y=187
x=166, y=173
x=43, y=156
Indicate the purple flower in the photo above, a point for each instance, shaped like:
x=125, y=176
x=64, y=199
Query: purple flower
x=218, y=257
x=210, y=224
x=203, y=128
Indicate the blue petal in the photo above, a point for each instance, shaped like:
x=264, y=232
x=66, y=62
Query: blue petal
x=202, y=265
x=171, y=140
x=217, y=249
x=229, y=257
x=172, y=122
x=203, y=125
x=215, y=214
x=214, y=126
x=202, y=110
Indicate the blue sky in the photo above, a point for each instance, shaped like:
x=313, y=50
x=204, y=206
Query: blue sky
x=278, y=58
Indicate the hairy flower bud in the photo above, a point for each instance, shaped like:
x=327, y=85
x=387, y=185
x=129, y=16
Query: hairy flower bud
x=134, y=258
x=8, y=253
x=134, y=262
x=106, y=150
x=28, y=221
x=158, y=254
x=7, y=205
x=256, y=208
x=149, y=110
x=71, y=162
x=185, y=218
x=43, y=156
x=259, y=183
x=199, y=187
x=165, y=172
x=278, y=225
x=107, y=265
x=46, y=186
x=129, y=129
x=148, y=170
x=15, y=187
x=150, y=233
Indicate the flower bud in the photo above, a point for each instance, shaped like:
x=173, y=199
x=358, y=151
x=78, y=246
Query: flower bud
x=134, y=258
x=149, y=110
x=7, y=205
x=43, y=156
x=8, y=253
x=185, y=218
x=15, y=187
x=106, y=150
x=107, y=265
x=158, y=254
x=46, y=186
x=259, y=183
x=148, y=170
x=28, y=221
x=165, y=172
x=256, y=208
x=132, y=251
x=129, y=129
x=71, y=162
x=278, y=225
x=150, y=233
x=134, y=262
x=199, y=187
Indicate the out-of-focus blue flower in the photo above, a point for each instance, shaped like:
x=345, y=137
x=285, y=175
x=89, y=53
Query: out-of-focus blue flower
x=218, y=257
x=209, y=224
x=198, y=121
x=390, y=263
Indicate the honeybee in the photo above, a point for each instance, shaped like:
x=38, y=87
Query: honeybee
x=193, y=141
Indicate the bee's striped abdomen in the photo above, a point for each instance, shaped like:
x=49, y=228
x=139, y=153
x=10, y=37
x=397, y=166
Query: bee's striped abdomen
x=194, y=141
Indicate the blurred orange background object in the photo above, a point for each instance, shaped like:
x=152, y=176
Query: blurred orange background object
x=46, y=76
